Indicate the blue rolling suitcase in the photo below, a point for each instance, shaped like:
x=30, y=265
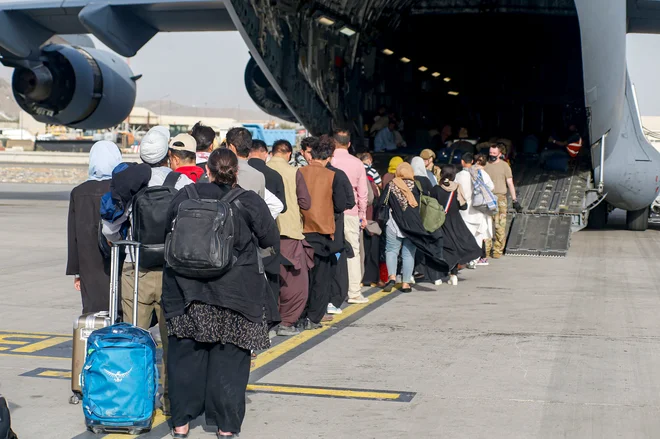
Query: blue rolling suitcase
x=120, y=375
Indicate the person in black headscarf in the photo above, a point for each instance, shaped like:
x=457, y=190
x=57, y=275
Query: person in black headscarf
x=459, y=246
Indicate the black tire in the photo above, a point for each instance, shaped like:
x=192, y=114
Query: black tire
x=638, y=220
x=598, y=217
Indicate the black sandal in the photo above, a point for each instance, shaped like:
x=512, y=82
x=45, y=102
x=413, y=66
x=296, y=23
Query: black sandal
x=176, y=435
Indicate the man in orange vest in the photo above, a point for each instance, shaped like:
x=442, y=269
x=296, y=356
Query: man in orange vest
x=570, y=148
x=573, y=143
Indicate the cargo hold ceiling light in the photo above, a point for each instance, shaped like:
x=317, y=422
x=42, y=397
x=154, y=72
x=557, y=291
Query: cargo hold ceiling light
x=447, y=79
x=388, y=52
x=453, y=93
x=405, y=60
x=347, y=31
x=435, y=74
x=423, y=68
x=325, y=20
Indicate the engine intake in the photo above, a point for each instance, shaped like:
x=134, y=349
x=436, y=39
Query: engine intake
x=263, y=93
x=77, y=87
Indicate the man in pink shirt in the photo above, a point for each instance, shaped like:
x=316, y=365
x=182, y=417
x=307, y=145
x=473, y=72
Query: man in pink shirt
x=355, y=218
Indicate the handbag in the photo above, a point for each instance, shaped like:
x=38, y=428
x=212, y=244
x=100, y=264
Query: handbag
x=383, y=211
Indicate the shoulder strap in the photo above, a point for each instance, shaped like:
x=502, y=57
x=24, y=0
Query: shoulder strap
x=233, y=194
x=191, y=191
x=419, y=187
x=171, y=179
x=451, y=198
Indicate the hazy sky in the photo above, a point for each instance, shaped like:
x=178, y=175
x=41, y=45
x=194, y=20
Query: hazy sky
x=207, y=69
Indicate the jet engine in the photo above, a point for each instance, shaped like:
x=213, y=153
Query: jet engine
x=263, y=93
x=77, y=87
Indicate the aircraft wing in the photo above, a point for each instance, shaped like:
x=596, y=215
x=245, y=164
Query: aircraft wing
x=643, y=16
x=123, y=25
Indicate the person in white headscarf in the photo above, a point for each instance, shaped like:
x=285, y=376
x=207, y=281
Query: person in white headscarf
x=85, y=260
x=424, y=184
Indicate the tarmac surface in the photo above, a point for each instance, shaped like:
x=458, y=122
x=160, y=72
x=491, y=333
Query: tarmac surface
x=523, y=348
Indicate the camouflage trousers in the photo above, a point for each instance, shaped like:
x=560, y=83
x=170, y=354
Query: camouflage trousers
x=499, y=229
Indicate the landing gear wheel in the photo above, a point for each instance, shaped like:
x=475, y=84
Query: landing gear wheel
x=598, y=217
x=638, y=220
x=75, y=399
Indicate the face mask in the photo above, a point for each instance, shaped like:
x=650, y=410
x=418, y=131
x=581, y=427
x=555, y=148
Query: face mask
x=492, y=158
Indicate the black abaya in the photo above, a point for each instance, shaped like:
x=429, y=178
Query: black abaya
x=84, y=256
x=459, y=246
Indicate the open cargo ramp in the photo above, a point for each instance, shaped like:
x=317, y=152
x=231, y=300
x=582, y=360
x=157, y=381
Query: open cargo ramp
x=553, y=208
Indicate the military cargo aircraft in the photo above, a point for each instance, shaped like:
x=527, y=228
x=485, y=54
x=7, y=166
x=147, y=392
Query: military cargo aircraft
x=503, y=64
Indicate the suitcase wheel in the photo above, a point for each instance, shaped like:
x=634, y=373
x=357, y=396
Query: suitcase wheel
x=75, y=399
x=97, y=430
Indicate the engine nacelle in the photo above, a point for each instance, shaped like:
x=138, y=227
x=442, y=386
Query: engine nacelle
x=77, y=87
x=263, y=93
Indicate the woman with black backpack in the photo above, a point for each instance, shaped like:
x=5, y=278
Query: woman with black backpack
x=215, y=318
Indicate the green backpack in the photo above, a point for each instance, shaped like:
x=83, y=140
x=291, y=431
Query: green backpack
x=431, y=211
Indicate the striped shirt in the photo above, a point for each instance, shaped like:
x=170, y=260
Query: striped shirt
x=372, y=174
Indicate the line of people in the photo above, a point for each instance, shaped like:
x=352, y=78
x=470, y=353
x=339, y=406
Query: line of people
x=307, y=239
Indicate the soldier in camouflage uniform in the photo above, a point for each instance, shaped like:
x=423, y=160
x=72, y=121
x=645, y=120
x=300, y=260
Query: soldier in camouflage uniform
x=500, y=172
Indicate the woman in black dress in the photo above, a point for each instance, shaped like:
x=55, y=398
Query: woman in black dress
x=459, y=246
x=214, y=323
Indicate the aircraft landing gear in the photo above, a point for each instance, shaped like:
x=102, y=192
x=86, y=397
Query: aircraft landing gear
x=637, y=220
x=598, y=216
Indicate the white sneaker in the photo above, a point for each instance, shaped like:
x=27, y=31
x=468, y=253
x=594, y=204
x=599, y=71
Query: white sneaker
x=453, y=280
x=472, y=265
x=438, y=282
x=359, y=299
x=333, y=309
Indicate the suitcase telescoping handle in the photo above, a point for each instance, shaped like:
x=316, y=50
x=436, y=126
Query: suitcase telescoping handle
x=114, y=279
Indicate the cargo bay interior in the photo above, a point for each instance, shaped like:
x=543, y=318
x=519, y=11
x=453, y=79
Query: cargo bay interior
x=496, y=73
x=499, y=72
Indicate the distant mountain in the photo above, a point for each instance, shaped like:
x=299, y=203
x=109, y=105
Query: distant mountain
x=171, y=108
x=8, y=107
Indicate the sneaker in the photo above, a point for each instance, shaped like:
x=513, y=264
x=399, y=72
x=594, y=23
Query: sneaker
x=453, y=280
x=438, y=282
x=333, y=309
x=482, y=262
x=286, y=331
x=359, y=299
x=472, y=265
x=309, y=325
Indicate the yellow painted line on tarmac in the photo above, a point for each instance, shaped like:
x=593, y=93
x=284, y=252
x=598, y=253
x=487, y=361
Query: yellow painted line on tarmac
x=55, y=374
x=6, y=338
x=295, y=341
x=29, y=334
x=40, y=357
x=319, y=391
x=40, y=345
x=284, y=347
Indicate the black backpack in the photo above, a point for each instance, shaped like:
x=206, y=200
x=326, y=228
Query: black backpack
x=150, y=225
x=201, y=244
